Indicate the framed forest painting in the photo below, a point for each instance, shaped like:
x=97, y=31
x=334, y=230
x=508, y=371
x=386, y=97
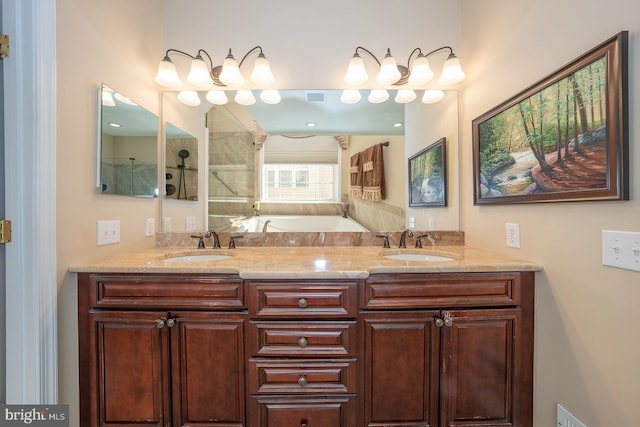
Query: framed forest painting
x=563, y=139
x=428, y=176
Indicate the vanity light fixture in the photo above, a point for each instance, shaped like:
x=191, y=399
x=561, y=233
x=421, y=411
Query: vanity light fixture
x=415, y=74
x=204, y=74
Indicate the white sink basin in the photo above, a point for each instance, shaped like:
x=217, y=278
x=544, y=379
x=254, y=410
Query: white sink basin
x=418, y=257
x=197, y=258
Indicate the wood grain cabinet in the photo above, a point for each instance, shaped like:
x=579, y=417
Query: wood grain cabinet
x=392, y=350
x=161, y=350
x=447, y=350
x=302, y=347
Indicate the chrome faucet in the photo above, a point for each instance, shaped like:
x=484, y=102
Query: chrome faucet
x=215, y=241
x=266, y=224
x=403, y=237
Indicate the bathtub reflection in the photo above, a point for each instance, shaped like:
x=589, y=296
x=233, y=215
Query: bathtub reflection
x=299, y=223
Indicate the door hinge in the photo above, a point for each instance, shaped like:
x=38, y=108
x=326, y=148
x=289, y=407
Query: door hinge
x=5, y=231
x=4, y=46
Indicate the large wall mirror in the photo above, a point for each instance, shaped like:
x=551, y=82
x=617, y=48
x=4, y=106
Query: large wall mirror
x=128, y=147
x=257, y=155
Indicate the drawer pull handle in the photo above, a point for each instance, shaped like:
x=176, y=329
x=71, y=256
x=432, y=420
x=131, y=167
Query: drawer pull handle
x=302, y=342
x=302, y=303
x=302, y=381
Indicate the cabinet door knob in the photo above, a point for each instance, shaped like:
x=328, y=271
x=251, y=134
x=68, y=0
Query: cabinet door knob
x=160, y=323
x=302, y=381
x=171, y=322
x=439, y=322
x=302, y=303
x=302, y=342
x=448, y=322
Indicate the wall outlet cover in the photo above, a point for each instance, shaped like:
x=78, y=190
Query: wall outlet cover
x=621, y=249
x=167, y=224
x=149, y=227
x=108, y=232
x=191, y=223
x=513, y=235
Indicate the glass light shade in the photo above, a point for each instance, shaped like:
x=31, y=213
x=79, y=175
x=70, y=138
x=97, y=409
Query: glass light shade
x=189, y=97
x=376, y=96
x=270, y=96
x=405, y=95
x=167, y=75
x=107, y=98
x=356, y=74
x=245, y=97
x=261, y=74
x=230, y=74
x=389, y=73
x=217, y=97
x=350, y=96
x=451, y=72
x=431, y=96
x=421, y=72
x=199, y=74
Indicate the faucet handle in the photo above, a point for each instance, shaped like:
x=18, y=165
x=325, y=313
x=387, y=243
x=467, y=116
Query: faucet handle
x=232, y=242
x=419, y=241
x=386, y=240
x=200, y=242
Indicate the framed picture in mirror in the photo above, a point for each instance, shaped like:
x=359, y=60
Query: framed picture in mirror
x=428, y=176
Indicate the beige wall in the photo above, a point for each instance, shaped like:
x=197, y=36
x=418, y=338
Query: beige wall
x=587, y=315
x=97, y=42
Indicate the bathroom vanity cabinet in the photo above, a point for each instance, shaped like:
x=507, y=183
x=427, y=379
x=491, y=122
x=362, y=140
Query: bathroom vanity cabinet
x=161, y=350
x=406, y=349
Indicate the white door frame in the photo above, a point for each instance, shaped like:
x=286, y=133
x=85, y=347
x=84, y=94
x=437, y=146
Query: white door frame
x=30, y=195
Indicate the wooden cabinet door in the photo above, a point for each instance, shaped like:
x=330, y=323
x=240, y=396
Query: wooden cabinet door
x=208, y=369
x=130, y=369
x=479, y=360
x=400, y=354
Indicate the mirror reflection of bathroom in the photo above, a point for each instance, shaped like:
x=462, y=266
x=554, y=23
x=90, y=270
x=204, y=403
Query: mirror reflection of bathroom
x=181, y=164
x=128, y=147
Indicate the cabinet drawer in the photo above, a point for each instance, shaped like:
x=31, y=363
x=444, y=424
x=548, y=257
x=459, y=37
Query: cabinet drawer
x=302, y=338
x=304, y=299
x=284, y=411
x=169, y=292
x=302, y=376
x=441, y=290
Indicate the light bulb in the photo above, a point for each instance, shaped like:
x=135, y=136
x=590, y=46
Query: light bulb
x=389, y=73
x=230, y=74
x=217, y=97
x=261, y=74
x=451, y=71
x=270, y=96
x=376, y=96
x=356, y=74
x=432, y=96
x=167, y=75
x=405, y=95
x=350, y=96
x=199, y=73
x=421, y=73
x=189, y=97
x=245, y=97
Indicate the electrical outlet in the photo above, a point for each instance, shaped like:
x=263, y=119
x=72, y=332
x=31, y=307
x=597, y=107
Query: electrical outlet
x=108, y=232
x=566, y=419
x=191, y=223
x=167, y=224
x=621, y=249
x=432, y=223
x=412, y=222
x=149, y=227
x=513, y=235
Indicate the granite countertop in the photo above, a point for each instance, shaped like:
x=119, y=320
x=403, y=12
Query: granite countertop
x=307, y=262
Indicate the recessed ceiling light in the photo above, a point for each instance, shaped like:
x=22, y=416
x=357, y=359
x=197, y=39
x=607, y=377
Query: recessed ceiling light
x=115, y=125
x=311, y=124
x=397, y=125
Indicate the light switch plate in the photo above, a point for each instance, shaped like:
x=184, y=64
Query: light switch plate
x=513, y=235
x=149, y=227
x=167, y=224
x=191, y=223
x=108, y=232
x=412, y=222
x=621, y=249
